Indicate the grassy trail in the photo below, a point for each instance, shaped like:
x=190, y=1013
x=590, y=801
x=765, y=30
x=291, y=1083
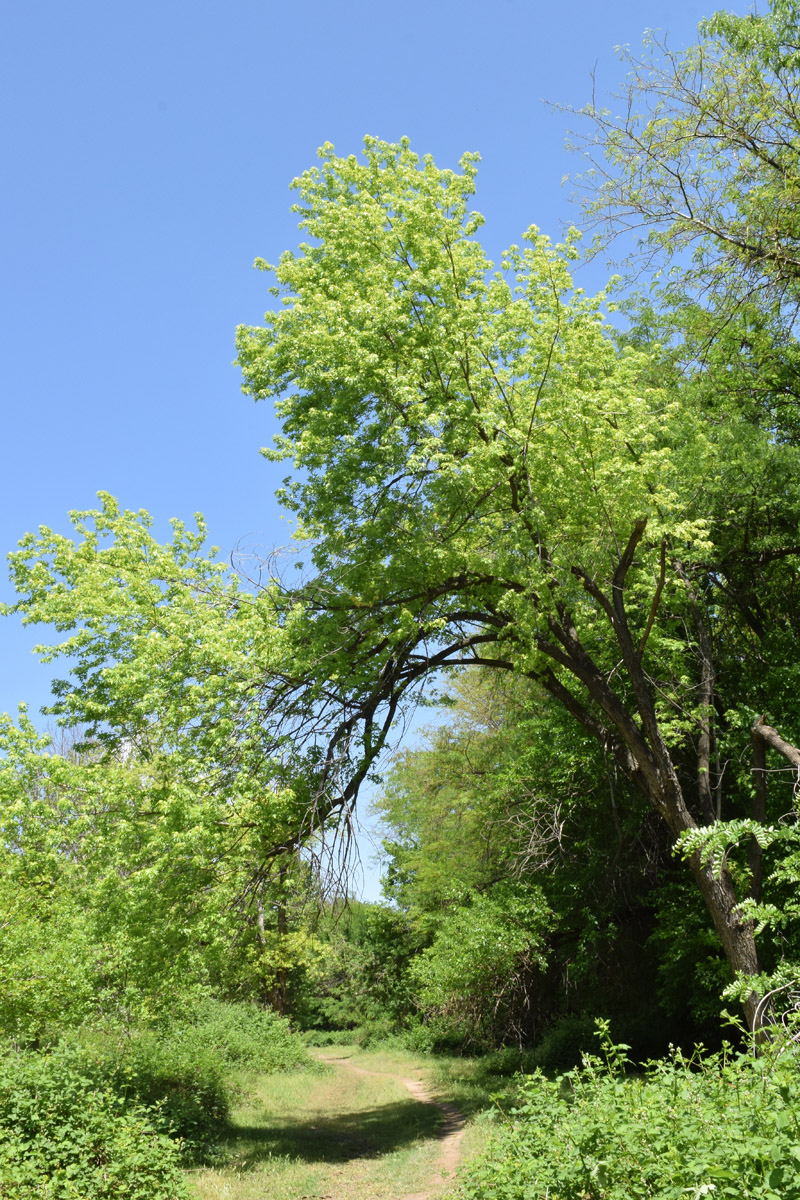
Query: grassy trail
x=369, y=1127
x=449, y=1132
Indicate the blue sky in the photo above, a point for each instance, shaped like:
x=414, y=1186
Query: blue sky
x=148, y=150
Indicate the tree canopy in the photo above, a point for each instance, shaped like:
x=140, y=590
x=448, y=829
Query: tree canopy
x=490, y=477
x=484, y=472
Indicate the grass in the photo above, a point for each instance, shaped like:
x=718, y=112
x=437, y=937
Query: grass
x=472, y=1083
x=340, y=1134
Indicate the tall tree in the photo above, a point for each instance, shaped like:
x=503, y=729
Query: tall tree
x=484, y=479
x=699, y=158
x=523, y=855
x=152, y=846
x=484, y=476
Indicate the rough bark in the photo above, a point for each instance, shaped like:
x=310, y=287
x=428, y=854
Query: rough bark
x=736, y=935
x=759, y=812
x=766, y=734
x=639, y=743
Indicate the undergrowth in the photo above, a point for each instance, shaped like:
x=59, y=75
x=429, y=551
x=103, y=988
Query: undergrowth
x=64, y=1138
x=114, y=1111
x=721, y=1125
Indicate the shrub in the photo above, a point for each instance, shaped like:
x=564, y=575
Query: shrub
x=330, y=1037
x=564, y=1044
x=418, y=1038
x=243, y=1036
x=63, y=1138
x=181, y=1070
x=477, y=976
x=180, y=1082
x=714, y=1127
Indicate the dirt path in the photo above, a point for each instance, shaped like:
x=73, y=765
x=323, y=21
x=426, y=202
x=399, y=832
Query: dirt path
x=369, y=1127
x=450, y=1132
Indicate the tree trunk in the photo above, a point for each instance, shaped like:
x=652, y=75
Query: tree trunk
x=736, y=935
x=642, y=750
x=282, y=976
x=772, y=738
x=764, y=735
x=759, y=811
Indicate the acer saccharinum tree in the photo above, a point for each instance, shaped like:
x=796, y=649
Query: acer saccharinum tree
x=485, y=475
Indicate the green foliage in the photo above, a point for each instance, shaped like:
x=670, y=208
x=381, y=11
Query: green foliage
x=616, y=537
x=707, y=155
x=504, y=786
x=242, y=1036
x=360, y=976
x=171, y=607
x=399, y=440
x=115, y=1112
x=719, y=843
x=181, y=1082
x=125, y=888
x=557, y=480
x=777, y=919
x=167, y=650
x=47, y=973
x=564, y=1045
x=690, y=972
x=609, y=530
x=330, y=1037
x=64, y=1138
x=181, y=1071
x=687, y=1127
x=473, y=979
x=504, y=793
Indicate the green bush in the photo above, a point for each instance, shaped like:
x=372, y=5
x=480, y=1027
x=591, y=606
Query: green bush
x=713, y=1127
x=63, y=1138
x=243, y=1036
x=478, y=973
x=418, y=1038
x=330, y=1037
x=510, y=1061
x=180, y=1082
x=564, y=1044
x=181, y=1070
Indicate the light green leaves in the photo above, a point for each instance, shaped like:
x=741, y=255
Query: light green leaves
x=429, y=402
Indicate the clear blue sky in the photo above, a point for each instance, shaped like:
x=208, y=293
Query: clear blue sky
x=148, y=150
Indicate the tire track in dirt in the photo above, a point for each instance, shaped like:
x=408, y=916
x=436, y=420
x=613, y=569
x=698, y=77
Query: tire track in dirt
x=450, y=1132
